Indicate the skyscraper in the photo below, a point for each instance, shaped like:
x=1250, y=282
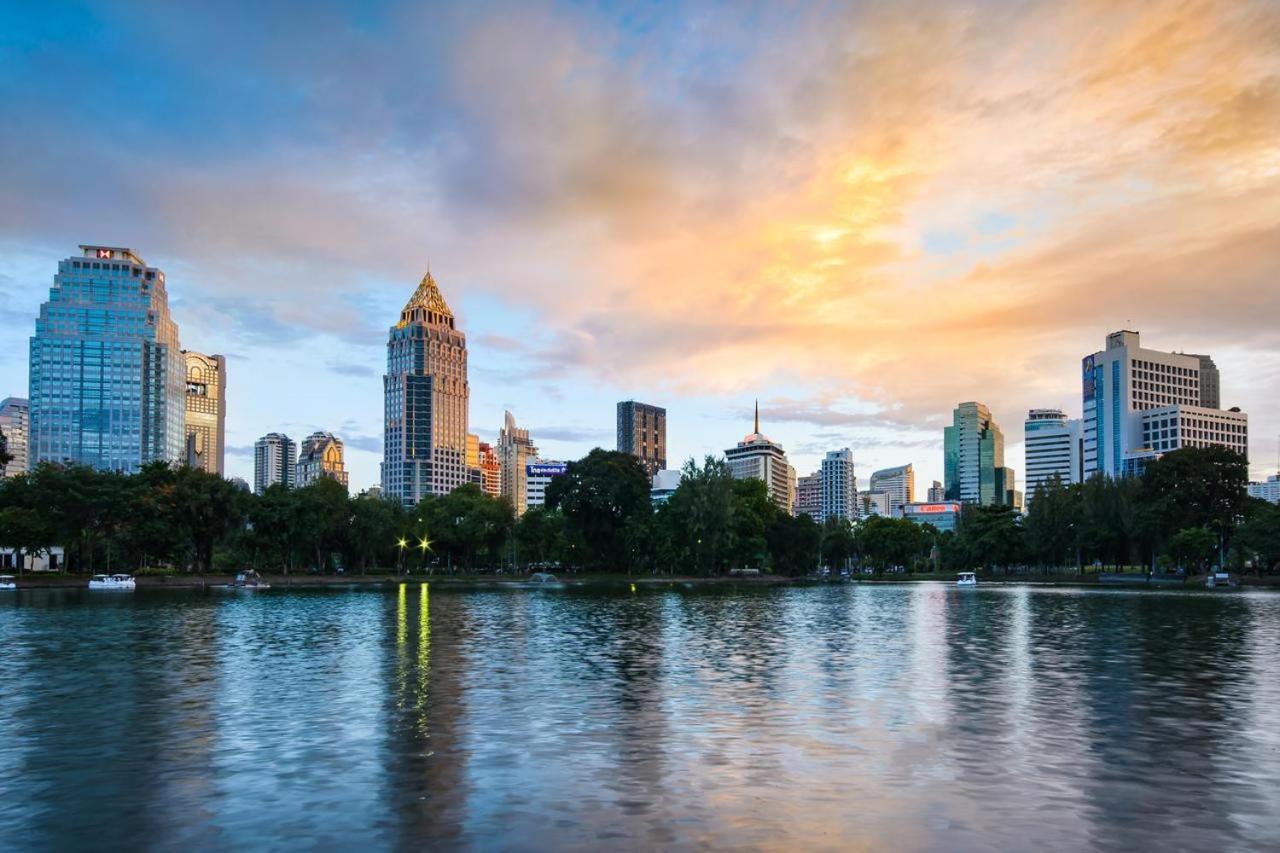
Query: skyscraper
x=937, y=492
x=321, y=456
x=515, y=452
x=974, y=458
x=839, y=486
x=759, y=457
x=642, y=432
x=426, y=398
x=15, y=414
x=1140, y=403
x=206, y=405
x=809, y=496
x=899, y=483
x=107, y=373
x=275, y=461
x=1055, y=448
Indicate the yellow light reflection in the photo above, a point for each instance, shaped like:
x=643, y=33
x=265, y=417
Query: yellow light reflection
x=402, y=625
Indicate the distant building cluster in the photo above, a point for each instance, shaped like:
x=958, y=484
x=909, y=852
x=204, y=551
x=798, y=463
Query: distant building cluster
x=111, y=387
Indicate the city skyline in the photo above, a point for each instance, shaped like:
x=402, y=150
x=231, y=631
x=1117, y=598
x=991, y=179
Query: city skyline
x=862, y=282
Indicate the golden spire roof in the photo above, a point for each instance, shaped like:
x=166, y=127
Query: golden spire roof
x=427, y=305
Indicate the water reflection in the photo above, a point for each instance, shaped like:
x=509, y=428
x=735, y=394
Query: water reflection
x=916, y=716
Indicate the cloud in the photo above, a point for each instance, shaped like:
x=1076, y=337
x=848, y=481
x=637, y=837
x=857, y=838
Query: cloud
x=727, y=200
x=576, y=435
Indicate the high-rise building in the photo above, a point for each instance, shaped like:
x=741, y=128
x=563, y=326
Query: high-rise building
x=759, y=457
x=1210, y=383
x=1055, y=448
x=1140, y=403
x=426, y=398
x=490, y=470
x=538, y=475
x=15, y=415
x=275, y=462
x=899, y=483
x=1268, y=491
x=937, y=493
x=839, y=486
x=809, y=496
x=515, y=451
x=642, y=432
x=206, y=410
x=974, y=458
x=106, y=372
x=320, y=456
x=873, y=503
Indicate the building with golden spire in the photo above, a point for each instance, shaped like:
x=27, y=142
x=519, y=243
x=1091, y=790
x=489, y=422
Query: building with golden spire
x=426, y=397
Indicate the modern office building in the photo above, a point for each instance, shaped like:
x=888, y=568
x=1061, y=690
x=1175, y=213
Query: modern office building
x=899, y=483
x=538, y=475
x=1268, y=491
x=515, y=451
x=937, y=493
x=839, y=486
x=974, y=467
x=106, y=371
x=642, y=432
x=206, y=410
x=425, y=398
x=1210, y=383
x=15, y=422
x=275, y=462
x=874, y=503
x=321, y=455
x=490, y=470
x=759, y=457
x=944, y=515
x=1054, y=448
x=809, y=496
x=1140, y=403
x=664, y=486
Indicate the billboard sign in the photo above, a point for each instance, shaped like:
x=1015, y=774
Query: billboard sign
x=545, y=469
x=1089, y=376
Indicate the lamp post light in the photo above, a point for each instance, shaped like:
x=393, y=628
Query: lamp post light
x=400, y=568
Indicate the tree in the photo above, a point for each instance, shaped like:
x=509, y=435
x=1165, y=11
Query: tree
x=540, y=535
x=322, y=517
x=695, y=526
x=837, y=541
x=1192, y=548
x=600, y=496
x=753, y=516
x=1198, y=487
x=1258, y=539
x=793, y=542
x=372, y=529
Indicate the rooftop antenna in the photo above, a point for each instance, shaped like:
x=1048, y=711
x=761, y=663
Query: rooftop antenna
x=757, y=430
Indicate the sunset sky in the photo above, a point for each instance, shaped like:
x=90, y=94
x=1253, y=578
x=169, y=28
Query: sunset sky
x=863, y=214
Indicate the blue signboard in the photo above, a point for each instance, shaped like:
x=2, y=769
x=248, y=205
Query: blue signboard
x=543, y=469
x=1089, y=375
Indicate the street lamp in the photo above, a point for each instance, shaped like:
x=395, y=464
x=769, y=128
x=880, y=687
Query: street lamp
x=402, y=543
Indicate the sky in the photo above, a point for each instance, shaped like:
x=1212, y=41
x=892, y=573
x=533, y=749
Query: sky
x=861, y=214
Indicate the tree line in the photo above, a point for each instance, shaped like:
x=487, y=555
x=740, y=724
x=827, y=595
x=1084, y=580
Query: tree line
x=1189, y=511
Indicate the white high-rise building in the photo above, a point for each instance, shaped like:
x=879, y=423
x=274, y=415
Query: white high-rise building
x=1055, y=447
x=1268, y=491
x=275, y=461
x=15, y=421
x=538, y=475
x=899, y=483
x=1140, y=403
x=759, y=457
x=839, y=486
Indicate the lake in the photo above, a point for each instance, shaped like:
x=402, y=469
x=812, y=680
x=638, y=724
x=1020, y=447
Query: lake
x=913, y=717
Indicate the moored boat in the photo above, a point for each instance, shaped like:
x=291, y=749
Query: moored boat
x=249, y=579
x=116, y=581
x=966, y=579
x=6, y=582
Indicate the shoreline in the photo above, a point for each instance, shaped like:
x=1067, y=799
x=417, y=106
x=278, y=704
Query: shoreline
x=463, y=582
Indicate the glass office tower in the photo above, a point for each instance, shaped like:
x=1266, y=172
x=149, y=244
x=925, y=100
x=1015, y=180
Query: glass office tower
x=107, y=373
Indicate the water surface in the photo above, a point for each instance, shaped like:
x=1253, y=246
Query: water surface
x=917, y=717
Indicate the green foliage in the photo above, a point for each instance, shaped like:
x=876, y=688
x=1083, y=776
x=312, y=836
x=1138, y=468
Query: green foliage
x=1192, y=548
x=837, y=541
x=601, y=496
x=887, y=543
x=1257, y=540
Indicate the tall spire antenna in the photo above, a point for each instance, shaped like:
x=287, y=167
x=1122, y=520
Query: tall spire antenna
x=757, y=430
